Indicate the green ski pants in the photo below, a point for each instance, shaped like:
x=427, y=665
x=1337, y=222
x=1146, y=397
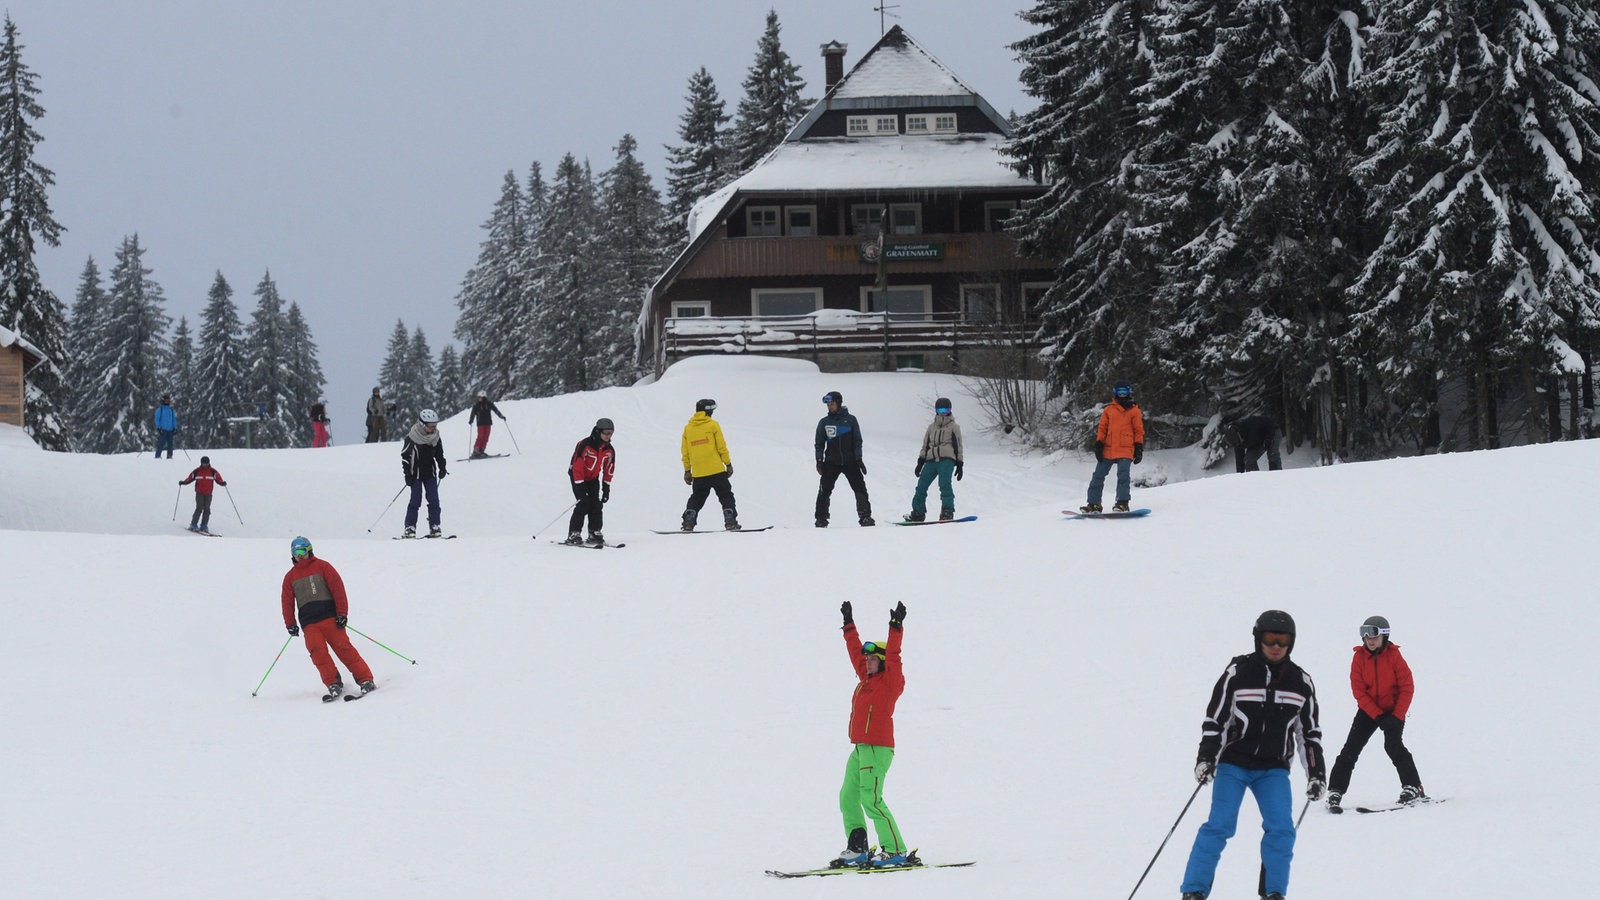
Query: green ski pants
x=861, y=795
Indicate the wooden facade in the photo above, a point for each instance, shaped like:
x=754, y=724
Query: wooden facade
x=17, y=356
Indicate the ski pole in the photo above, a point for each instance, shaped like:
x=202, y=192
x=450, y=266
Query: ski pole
x=231, y=503
x=513, y=433
x=1165, y=839
x=175, y=503
x=385, y=510
x=556, y=519
x=274, y=663
x=383, y=645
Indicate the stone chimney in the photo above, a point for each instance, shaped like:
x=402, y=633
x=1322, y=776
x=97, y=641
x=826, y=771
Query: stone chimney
x=833, y=62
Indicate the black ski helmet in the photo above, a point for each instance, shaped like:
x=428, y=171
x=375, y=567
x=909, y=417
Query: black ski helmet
x=1376, y=626
x=1122, y=389
x=833, y=397
x=205, y=460
x=1274, y=620
x=942, y=406
x=706, y=406
x=604, y=424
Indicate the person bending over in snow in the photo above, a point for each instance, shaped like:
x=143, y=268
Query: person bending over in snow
x=1381, y=682
x=314, y=593
x=881, y=681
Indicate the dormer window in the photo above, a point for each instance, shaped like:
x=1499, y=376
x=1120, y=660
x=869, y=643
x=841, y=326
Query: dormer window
x=872, y=126
x=917, y=125
x=944, y=123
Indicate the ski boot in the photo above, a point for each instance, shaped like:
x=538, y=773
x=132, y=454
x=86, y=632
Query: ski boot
x=855, y=852
x=1193, y=895
x=1092, y=509
x=334, y=690
x=409, y=532
x=822, y=523
x=434, y=531
x=887, y=860
x=194, y=528
x=1334, y=797
x=689, y=518
x=596, y=539
x=1120, y=506
x=1272, y=896
x=946, y=514
x=914, y=517
x=368, y=687
x=204, y=530
x=1411, y=794
x=866, y=522
x=479, y=454
x=730, y=520
x=574, y=538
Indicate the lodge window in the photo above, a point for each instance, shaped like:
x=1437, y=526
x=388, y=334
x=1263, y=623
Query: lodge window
x=800, y=221
x=980, y=302
x=917, y=125
x=903, y=303
x=996, y=213
x=905, y=218
x=858, y=125
x=866, y=219
x=762, y=221
x=785, y=301
x=862, y=126
x=690, y=309
x=1033, y=299
x=945, y=123
x=885, y=124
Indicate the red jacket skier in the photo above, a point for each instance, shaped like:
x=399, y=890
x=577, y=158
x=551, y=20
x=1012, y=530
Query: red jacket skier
x=313, y=590
x=880, y=683
x=204, y=478
x=593, y=462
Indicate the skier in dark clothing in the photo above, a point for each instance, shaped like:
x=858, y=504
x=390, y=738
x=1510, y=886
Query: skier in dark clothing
x=1250, y=437
x=479, y=416
x=203, y=478
x=838, y=447
x=1262, y=709
x=422, y=463
x=593, y=462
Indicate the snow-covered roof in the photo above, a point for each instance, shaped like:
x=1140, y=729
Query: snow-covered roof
x=9, y=338
x=899, y=67
x=899, y=163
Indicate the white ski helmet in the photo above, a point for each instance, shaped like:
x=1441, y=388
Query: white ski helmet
x=428, y=417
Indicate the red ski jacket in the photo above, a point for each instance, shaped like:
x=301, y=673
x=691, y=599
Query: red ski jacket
x=202, y=478
x=314, y=590
x=592, y=460
x=1381, y=681
x=872, y=707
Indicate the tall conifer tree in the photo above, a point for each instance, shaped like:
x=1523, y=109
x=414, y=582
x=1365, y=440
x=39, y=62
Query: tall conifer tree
x=133, y=359
x=268, y=383
x=772, y=103
x=701, y=163
x=220, y=369
x=90, y=309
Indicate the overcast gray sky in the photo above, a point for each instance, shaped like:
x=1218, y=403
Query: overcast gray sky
x=353, y=148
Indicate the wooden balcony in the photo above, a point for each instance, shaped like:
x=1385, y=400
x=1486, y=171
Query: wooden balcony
x=757, y=257
x=833, y=332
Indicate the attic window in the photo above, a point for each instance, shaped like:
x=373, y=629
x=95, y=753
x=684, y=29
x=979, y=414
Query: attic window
x=917, y=125
x=885, y=124
x=858, y=125
x=866, y=126
x=944, y=123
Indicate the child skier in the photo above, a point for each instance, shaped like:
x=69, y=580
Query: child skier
x=1381, y=683
x=881, y=682
x=203, y=478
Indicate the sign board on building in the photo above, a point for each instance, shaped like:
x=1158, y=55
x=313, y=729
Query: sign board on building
x=892, y=252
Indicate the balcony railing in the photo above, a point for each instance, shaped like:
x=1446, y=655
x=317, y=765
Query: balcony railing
x=836, y=331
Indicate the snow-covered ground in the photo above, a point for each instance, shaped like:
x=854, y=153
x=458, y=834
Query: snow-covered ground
x=668, y=720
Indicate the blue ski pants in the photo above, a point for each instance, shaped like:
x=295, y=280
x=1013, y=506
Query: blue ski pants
x=1097, y=481
x=1276, y=801
x=941, y=469
x=418, y=487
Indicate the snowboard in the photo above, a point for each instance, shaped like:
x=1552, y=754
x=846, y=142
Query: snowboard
x=1130, y=514
x=488, y=456
x=715, y=531
x=940, y=521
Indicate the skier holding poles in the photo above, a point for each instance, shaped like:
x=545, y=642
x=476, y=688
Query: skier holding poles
x=1261, y=709
x=880, y=684
x=593, y=462
x=480, y=416
x=422, y=464
x=204, y=479
x=313, y=591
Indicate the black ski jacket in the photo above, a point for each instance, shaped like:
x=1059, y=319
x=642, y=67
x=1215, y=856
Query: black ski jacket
x=1260, y=714
x=838, y=441
x=480, y=412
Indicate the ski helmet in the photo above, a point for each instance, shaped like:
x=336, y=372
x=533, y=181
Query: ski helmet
x=604, y=424
x=706, y=406
x=833, y=397
x=873, y=648
x=1375, y=626
x=1277, y=621
x=1122, y=389
x=428, y=417
x=205, y=460
x=299, y=548
x=942, y=406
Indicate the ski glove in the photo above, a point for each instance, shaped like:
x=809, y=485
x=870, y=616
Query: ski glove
x=442, y=474
x=918, y=470
x=340, y=621
x=730, y=470
x=897, y=615
x=959, y=466
x=1204, y=770
x=1138, y=453
x=1099, y=451
x=687, y=478
x=844, y=610
x=1314, y=789
x=819, y=467
x=294, y=631
x=411, y=482
x=862, y=464
x=605, y=494
x=1388, y=723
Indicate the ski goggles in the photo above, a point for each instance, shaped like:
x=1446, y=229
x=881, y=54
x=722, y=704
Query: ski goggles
x=1276, y=639
x=829, y=398
x=1372, y=631
x=302, y=552
x=871, y=648
x=941, y=410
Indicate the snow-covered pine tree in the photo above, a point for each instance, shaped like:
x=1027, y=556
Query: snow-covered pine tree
x=700, y=164
x=132, y=360
x=1484, y=168
x=26, y=305
x=268, y=383
x=419, y=359
x=772, y=101
x=557, y=341
x=90, y=307
x=180, y=370
x=219, y=376
x=491, y=297
x=396, y=380
x=1082, y=65
x=307, y=384
x=449, y=389
x=630, y=208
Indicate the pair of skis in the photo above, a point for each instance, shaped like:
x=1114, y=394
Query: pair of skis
x=867, y=870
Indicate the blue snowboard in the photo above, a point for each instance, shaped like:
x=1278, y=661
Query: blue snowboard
x=1130, y=514
x=940, y=521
